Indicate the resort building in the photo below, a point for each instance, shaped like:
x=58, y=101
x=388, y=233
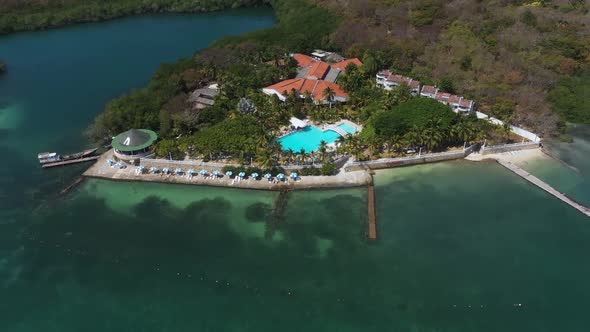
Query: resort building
x=307, y=87
x=388, y=80
x=312, y=68
x=204, y=97
x=465, y=105
x=134, y=144
x=314, y=78
x=428, y=91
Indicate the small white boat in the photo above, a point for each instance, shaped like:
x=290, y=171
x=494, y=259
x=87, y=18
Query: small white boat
x=48, y=157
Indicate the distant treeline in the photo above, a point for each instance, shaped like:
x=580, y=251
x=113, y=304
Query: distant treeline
x=28, y=15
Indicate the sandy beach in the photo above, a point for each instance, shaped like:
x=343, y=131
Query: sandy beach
x=520, y=157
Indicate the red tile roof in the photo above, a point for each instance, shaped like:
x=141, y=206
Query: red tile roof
x=385, y=73
x=318, y=92
x=302, y=59
x=443, y=96
x=453, y=99
x=318, y=70
x=344, y=63
x=315, y=87
x=429, y=89
x=465, y=102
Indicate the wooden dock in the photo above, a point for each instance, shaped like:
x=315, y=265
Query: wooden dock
x=372, y=233
x=70, y=162
x=539, y=183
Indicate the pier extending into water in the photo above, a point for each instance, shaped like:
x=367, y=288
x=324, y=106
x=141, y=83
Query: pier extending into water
x=539, y=183
x=70, y=162
x=372, y=232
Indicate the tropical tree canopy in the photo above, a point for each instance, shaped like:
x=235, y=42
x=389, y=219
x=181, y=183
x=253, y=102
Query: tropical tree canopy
x=417, y=112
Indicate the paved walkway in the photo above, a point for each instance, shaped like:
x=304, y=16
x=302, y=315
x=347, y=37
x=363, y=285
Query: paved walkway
x=101, y=169
x=539, y=183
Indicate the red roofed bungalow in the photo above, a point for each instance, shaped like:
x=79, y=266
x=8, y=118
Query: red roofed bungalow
x=428, y=91
x=303, y=60
x=315, y=88
x=443, y=97
x=343, y=64
x=317, y=71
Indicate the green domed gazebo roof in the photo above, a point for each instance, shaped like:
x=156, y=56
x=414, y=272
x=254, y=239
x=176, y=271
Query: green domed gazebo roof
x=134, y=139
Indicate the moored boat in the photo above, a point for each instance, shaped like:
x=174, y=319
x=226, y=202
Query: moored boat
x=53, y=157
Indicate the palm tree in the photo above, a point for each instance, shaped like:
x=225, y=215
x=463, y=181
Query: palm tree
x=415, y=136
x=265, y=159
x=307, y=97
x=394, y=143
x=302, y=156
x=341, y=144
x=290, y=154
x=323, y=149
x=433, y=137
x=329, y=95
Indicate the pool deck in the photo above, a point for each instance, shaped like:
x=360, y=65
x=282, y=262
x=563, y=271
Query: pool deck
x=342, y=180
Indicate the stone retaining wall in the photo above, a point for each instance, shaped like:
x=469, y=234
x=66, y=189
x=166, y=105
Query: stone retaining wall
x=407, y=161
x=508, y=147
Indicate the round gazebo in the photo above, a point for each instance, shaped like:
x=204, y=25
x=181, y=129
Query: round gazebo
x=134, y=144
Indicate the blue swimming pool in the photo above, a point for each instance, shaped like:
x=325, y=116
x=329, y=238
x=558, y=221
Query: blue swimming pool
x=310, y=137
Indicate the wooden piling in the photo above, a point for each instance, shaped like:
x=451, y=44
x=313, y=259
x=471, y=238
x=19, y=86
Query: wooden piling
x=372, y=233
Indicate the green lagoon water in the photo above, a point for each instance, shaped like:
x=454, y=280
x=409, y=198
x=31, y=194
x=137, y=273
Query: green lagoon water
x=462, y=247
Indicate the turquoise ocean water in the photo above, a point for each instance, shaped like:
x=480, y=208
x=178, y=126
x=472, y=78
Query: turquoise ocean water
x=462, y=246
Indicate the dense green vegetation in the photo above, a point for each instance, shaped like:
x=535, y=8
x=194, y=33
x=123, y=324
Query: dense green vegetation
x=571, y=98
x=504, y=54
x=36, y=14
x=491, y=51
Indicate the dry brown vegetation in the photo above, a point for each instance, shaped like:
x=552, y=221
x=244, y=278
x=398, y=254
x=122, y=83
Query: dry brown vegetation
x=490, y=50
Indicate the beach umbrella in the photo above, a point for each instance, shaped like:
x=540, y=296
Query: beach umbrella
x=203, y=172
x=267, y=176
x=254, y=175
x=241, y=174
x=165, y=170
x=178, y=170
x=191, y=171
x=293, y=175
x=229, y=173
x=280, y=176
x=140, y=169
x=216, y=173
x=110, y=162
x=153, y=169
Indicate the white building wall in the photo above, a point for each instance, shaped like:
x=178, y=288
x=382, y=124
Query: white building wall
x=516, y=130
